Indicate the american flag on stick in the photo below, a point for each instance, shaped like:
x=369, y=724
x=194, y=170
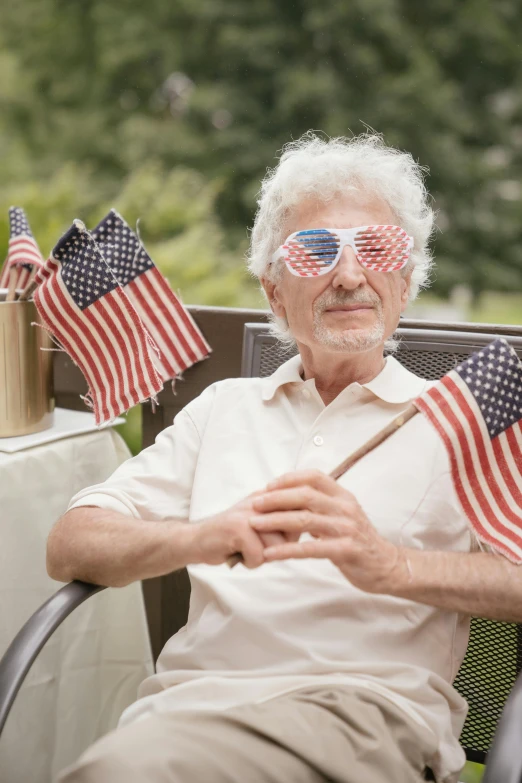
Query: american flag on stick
x=477, y=410
x=85, y=308
x=179, y=341
x=23, y=253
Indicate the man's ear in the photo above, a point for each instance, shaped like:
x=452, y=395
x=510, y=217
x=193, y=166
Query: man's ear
x=273, y=296
x=405, y=290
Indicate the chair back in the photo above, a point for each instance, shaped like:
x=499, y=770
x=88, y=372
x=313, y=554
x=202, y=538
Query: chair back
x=494, y=655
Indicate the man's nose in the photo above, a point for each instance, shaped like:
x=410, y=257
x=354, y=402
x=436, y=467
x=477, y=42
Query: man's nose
x=348, y=273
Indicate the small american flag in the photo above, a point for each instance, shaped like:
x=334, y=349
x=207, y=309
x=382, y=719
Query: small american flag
x=23, y=252
x=477, y=410
x=175, y=333
x=84, y=307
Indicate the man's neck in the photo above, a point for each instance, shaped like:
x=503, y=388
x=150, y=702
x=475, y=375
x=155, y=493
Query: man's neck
x=334, y=371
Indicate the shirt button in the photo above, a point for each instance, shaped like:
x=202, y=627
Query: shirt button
x=306, y=394
x=318, y=440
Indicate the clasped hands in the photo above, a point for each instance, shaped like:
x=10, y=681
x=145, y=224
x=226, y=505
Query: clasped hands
x=304, y=502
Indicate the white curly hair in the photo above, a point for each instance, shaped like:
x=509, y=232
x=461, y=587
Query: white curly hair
x=322, y=169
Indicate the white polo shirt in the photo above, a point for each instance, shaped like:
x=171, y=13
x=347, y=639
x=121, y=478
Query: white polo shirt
x=255, y=634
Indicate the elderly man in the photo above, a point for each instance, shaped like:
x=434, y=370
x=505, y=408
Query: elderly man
x=328, y=655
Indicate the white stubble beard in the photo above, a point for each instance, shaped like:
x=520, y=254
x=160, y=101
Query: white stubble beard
x=348, y=340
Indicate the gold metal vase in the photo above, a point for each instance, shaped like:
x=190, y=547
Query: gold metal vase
x=26, y=388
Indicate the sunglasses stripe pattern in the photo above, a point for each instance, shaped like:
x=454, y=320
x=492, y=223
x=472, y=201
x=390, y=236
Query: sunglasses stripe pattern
x=316, y=251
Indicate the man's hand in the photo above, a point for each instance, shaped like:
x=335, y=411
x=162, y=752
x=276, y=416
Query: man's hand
x=312, y=502
x=214, y=540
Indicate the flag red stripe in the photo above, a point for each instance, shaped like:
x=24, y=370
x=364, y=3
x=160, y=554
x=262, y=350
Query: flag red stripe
x=44, y=272
x=24, y=245
x=97, y=364
x=157, y=301
x=506, y=470
x=167, y=327
x=472, y=478
x=131, y=350
x=23, y=277
x=148, y=379
x=170, y=355
x=143, y=387
x=144, y=342
x=103, y=352
x=199, y=346
x=485, y=463
x=24, y=241
x=434, y=416
x=158, y=326
x=51, y=314
x=515, y=444
x=22, y=257
x=105, y=338
x=164, y=362
x=20, y=276
x=126, y=357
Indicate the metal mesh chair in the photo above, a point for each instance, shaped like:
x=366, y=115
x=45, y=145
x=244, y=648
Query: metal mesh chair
x=494, y=656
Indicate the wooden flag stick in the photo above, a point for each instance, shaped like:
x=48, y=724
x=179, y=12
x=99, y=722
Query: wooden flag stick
x=358, y=454
x=30, y=287
x=377, y=439
x=11, y=285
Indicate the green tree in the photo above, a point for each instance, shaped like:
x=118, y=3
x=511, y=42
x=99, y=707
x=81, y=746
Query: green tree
x=217, y=87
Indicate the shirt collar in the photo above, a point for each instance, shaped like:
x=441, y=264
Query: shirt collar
x=394, y=384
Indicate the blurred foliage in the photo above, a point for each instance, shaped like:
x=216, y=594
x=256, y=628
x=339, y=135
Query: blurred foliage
x=173, y=111
x=174, y=212
x=472, y=773
x=131, y=429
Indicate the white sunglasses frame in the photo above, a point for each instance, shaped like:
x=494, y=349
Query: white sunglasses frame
x=346, y=237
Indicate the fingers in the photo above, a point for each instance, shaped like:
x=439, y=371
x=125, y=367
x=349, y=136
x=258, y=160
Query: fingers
x=301, y=497
x=250, y=545
x=312, y=478
x=272, y=539
x=319, y=548
x=293, y=523
x=253, y=543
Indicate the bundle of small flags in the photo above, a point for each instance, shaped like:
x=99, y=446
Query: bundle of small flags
x=23, y=254
x=101, y=297
x=477, y=410
x=179, y=341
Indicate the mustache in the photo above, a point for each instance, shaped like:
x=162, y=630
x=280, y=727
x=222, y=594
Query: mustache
x=345, y=298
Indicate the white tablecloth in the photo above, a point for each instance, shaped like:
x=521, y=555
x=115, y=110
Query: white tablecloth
x=91, y=667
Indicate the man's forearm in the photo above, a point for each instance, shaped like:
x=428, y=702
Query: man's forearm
x=107, y=548
x=477, y=584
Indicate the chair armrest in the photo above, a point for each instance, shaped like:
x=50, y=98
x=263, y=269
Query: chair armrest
x=504, y=760
x=26, y=645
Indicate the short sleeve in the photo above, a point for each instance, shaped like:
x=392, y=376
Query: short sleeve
x=156, y=484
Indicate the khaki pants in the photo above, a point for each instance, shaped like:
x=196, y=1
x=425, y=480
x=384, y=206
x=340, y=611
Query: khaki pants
x=313, y=735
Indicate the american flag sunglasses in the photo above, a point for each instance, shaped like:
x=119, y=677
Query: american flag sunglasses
x=316, y=251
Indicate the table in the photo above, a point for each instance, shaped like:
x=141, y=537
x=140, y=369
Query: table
x=90, y=669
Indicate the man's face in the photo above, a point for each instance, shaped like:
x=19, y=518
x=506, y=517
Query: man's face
x=350, y=309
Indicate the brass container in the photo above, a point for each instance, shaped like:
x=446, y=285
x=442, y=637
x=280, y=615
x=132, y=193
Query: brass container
x=26, y=391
